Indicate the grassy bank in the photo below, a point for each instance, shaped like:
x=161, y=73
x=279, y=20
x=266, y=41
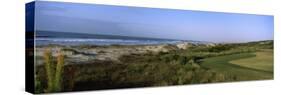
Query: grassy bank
x=196, y=65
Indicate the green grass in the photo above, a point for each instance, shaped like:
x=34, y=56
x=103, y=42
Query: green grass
x=222, y=64
x=53, y=73
x=262, y=61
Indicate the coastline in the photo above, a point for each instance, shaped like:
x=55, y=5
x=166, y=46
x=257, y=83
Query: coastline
x=90, y=53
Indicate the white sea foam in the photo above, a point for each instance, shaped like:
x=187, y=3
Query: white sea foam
x=92, y=41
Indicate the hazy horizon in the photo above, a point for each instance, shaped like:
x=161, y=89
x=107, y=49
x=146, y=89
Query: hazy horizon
x=152, y=22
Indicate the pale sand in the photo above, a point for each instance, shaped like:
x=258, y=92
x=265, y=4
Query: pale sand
x=88, y=54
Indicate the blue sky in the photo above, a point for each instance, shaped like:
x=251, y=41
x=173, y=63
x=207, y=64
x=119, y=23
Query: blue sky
x=152, y=22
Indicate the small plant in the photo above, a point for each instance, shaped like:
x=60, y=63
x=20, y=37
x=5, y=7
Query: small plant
x=53, y=71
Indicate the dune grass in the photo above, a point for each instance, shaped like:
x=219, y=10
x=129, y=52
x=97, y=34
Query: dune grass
x=53, y=72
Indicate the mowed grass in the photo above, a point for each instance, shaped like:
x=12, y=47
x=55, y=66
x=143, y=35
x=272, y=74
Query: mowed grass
x=262, y=61
x=222, y=64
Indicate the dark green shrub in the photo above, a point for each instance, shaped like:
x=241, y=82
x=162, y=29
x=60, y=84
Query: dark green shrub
x=182, y=60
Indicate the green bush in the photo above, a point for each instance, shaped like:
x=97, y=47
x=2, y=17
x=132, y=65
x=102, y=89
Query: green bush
x=38, y=85
x=183, y=60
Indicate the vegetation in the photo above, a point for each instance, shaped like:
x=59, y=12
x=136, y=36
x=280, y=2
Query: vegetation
x=58, y=74
x=222, y=64
x=261, y=61
x=53, y=72
x=195, y=65
x=49, y=67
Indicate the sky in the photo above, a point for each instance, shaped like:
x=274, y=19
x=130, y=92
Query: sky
x=152, y=22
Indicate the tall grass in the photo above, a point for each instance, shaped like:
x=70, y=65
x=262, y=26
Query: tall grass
x=53, y=71
x=59, y=71
x=49, y=67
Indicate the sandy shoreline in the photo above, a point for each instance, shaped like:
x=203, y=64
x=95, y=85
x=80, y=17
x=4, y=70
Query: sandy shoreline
x=91, y=53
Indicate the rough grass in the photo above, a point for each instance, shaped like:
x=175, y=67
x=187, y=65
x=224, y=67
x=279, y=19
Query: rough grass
x=110, y=75
x=262, y=61
x=146, y=74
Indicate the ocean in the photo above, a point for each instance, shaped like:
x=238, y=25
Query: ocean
x=67, y=38
x=93, y=41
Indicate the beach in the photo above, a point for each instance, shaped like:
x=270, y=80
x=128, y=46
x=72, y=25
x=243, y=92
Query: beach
x=81, y=54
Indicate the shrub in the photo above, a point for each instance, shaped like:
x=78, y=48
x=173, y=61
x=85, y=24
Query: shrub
x=183, y=60
x=38, y=85
x=69, y=79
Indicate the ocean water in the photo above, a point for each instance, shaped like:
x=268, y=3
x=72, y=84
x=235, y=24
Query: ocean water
x=93, y=41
